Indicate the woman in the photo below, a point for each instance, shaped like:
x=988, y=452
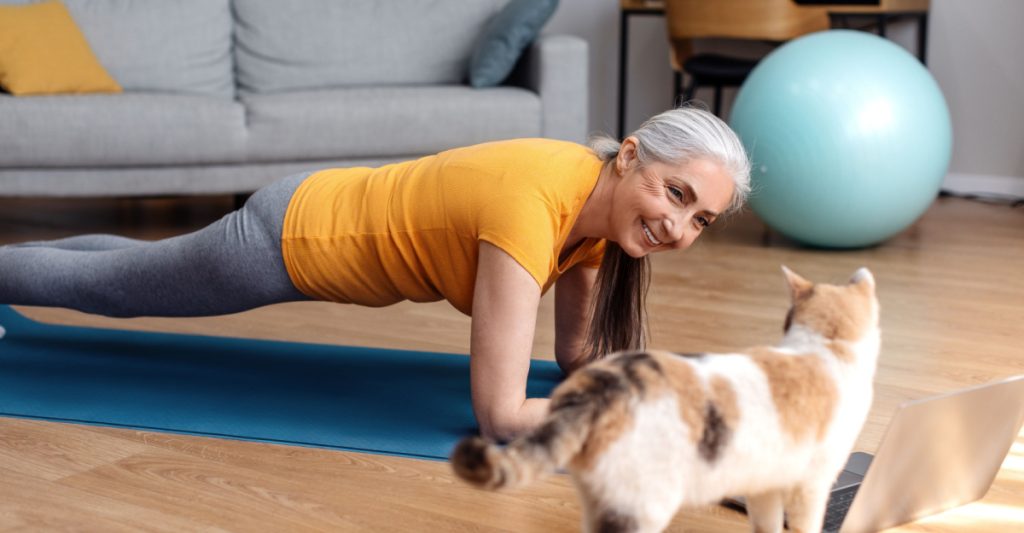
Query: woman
x=488, y=228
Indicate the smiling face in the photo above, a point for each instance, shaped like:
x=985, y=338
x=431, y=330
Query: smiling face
x=660, y=206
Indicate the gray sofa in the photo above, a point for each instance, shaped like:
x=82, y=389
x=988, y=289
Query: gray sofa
x=224, y=96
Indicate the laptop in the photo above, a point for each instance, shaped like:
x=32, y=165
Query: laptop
x=938, y=453
x=841, y=2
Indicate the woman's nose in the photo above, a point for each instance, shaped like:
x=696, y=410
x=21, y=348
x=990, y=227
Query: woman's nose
x=675, y=229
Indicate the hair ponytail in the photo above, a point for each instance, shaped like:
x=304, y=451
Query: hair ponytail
x=619, y=312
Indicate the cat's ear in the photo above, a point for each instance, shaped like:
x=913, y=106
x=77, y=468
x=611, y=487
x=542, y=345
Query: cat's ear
x=798, y=286
x=863, y=277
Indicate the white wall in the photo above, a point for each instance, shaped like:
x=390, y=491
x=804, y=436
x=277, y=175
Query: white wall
x=975, y=51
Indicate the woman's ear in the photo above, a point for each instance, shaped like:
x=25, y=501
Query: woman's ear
x=627, y=155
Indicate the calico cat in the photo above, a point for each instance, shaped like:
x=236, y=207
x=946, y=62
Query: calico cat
x=645, y=432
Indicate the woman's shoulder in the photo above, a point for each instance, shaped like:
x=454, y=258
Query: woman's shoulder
x=519, y=153
x=523, y=158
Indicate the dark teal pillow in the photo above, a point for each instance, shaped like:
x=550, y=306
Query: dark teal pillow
x=505, y=38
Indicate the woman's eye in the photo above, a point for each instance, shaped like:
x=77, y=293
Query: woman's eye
x=703, y=222
x=676, y=192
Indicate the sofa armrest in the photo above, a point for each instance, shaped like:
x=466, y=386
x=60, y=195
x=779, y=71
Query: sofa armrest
x=555, y=67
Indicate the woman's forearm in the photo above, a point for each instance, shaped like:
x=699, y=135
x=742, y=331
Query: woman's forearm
x=572, y=317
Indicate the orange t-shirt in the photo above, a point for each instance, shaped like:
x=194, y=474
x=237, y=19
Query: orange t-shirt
x=410, y=231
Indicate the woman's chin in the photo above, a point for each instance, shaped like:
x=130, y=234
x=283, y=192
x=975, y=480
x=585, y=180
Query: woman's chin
x=637, y=252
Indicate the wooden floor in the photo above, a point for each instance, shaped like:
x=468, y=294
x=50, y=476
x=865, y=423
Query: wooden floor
x=952, y=293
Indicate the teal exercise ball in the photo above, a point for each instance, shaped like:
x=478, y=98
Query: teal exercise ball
x=849, y=137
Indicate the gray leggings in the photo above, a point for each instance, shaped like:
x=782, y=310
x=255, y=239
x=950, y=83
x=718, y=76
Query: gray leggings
x=229, y=266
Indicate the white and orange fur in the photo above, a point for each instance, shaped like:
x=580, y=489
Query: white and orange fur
x=643, y=433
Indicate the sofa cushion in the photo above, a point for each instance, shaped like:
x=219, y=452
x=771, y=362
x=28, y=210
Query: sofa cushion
x=505, y=37
x=179, y=46
x=42, y=51
x=385, y=121
x=316, y=44
x=119, y=130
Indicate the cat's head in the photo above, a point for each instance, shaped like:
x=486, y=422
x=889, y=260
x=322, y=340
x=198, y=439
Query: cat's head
x=840, y=312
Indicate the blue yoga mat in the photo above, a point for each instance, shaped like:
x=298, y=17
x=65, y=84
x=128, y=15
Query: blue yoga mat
x=395, y=402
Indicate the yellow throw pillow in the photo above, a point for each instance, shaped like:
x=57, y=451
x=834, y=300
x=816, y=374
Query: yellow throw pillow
x=42, y=51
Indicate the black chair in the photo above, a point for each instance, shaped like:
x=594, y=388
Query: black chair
x=711, y=70
x=762, y=20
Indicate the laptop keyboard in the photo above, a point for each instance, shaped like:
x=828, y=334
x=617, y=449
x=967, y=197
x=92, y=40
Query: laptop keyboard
x=838, y=505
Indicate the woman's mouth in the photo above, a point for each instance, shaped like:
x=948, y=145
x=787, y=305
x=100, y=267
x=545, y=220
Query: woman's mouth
x=650, y=235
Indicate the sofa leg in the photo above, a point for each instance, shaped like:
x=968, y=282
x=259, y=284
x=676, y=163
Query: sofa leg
x=241, y=198
x=129, y=211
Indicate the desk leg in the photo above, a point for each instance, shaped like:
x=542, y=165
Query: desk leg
x=922, y=38
x=623, y=52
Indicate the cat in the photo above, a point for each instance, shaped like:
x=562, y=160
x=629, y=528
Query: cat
x=643, y=433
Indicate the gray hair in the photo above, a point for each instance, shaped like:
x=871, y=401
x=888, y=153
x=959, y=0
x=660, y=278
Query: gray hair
x=684, y=134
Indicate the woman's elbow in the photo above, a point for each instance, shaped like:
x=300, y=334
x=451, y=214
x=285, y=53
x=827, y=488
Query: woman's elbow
x=572, y=365
x=498, y=426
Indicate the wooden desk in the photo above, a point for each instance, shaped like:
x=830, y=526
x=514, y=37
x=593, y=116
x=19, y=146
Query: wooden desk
x=841, y=16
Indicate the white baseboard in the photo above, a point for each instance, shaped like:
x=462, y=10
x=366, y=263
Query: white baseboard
x=984, y=185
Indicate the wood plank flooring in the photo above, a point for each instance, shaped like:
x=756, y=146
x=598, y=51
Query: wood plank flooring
x=952, y=293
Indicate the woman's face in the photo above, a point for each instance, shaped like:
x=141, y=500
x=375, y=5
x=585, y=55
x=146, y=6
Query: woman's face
x=662, y=206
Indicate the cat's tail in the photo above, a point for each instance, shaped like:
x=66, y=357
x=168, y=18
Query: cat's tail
x=529, y=457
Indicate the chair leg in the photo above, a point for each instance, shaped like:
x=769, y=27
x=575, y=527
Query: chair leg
x=677, y=88
x=689, y=90
x=718, y=101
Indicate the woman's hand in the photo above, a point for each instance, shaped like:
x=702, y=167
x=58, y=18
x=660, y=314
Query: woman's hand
x=505, y=302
